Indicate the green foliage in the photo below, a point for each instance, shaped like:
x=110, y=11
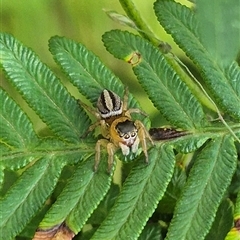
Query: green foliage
x=182, y=24
x=180, y=194
x=161, y=82
x=223, y=221
x=195, y=213
x=141, y=191
x=221, y=40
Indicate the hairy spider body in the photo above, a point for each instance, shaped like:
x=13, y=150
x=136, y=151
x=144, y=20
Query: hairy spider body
x=117, y=127
x=109, y=104
x=123, y=132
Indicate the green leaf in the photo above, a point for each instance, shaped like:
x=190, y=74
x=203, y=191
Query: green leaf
x=77, y=196
x=181, y=23
x=151, y=232
x=222, y=223
x=207, y=183
x=233, y=74
x=26, y=197
x=163, y=85
x=191, y=143
x=219, y=28
x=168, y=202
x=104, y=207
x=233, y=235
x=140, y=194
x=4, y=148
x=234, y=188
x=85, y=70
x=237, y=207
x=78, y=193
x=7, y=179
x=16, y=130
x=42, y=90
x=48, y=147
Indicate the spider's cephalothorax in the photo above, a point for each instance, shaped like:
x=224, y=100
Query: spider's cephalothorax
x=117, y=127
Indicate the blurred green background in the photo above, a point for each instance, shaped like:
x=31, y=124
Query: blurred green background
x=33, y=22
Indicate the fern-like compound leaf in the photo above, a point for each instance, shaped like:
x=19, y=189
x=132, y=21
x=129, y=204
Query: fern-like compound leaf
x=182, y=24
x=86, y=71
x=208, y=180
x=140, y=194
x=163, y=85
x=83, y=192
x=42, y=90
x=25, y=198
x=16, y=130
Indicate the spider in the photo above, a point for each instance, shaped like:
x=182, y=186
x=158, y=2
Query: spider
x=117, y=127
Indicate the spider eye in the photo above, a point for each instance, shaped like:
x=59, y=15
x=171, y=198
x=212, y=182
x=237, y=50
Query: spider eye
x=127, y=136
x=126, y=130
x=121, y=135
x=133, y=134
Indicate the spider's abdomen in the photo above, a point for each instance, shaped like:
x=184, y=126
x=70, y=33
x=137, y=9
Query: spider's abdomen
x=109, y=104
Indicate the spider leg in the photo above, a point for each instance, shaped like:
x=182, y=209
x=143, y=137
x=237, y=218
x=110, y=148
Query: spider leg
x=143, y=135
x=131, y=110
x=125, y=99
x=135, y=110
x=97, y=123
x=101, y=142
x=110, y=150
x=89, y=109
x=90, y=129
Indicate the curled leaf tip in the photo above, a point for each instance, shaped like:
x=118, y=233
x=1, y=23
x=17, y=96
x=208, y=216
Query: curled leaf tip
x=134, y=58
x=121, y=19
x=59, y=232
x=237, y=224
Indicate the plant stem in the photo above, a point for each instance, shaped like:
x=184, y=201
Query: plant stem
x=134, y=15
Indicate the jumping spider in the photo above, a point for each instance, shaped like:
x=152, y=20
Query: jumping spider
x=117, y=127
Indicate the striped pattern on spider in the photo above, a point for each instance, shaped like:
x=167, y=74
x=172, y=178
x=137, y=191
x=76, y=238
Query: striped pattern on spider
x=117, y=127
